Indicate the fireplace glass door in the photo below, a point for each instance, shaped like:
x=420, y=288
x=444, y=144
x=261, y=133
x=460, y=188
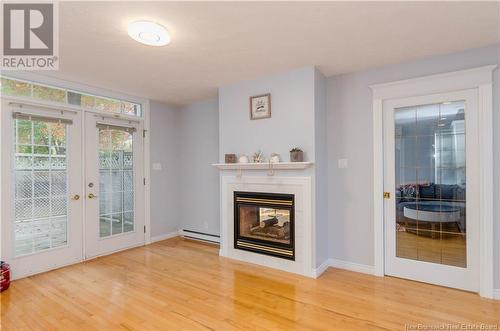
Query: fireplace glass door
x=264, y=223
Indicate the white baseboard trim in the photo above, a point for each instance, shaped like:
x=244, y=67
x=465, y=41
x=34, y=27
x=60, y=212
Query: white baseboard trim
x=322, y=268
x=351, y=266
x=199, y=236
x=165, y=236
x=496, y=294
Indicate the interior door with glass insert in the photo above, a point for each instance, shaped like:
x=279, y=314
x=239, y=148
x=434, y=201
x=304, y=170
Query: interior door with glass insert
x=41, y=188
x=431, y=183
x=114, y=185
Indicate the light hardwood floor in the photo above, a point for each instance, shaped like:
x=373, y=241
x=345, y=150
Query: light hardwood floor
x=184, y=285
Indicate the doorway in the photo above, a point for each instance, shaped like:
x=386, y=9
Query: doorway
x=72, y=185
x=431, y=181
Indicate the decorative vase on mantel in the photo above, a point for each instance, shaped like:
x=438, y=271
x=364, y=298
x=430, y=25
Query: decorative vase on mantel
x=296, y=155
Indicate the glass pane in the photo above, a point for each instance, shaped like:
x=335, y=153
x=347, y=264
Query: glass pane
x=107, y=105
x=87, y=101
x=116, y=207
x=74, y=98
x=269, y=224
x=130, y=108
x=49, y=93
x=431, y=183
x=15, y=87
x=40, y=201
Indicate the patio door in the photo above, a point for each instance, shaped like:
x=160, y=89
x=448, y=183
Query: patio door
x=114, y=188
x=41, y=188
x=431, y=189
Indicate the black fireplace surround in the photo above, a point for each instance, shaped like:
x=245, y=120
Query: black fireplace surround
x=265, y=223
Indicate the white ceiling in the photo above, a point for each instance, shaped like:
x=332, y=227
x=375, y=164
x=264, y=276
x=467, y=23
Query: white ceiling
x=215, y=44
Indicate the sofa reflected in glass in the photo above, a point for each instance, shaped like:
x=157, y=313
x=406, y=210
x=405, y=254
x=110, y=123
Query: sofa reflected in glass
x=431, y=209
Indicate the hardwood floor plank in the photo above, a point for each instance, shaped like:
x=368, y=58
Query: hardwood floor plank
x=179, y=284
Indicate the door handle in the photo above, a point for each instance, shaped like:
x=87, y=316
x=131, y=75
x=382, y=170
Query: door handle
x=387, y=195
x=75, y=197
x=92, y=196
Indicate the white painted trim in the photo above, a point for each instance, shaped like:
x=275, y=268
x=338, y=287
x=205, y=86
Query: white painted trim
x=321, y=269
x=147, y=172
x=264, y=166
x=378, y=187
x=352, y=266
x=486, y=243
x=440, y=83
x=165, y=236
x=475, y=78
x=199, y=236
x=496, y=294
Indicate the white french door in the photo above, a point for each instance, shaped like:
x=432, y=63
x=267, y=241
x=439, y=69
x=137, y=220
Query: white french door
x=41, y=188
x=114, y=188
x=72, y=186
x=431, y=184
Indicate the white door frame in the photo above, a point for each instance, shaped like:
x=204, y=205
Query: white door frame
x=476, y=78
x=58, y=83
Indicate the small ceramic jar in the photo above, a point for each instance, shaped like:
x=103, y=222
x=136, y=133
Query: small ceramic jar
x=243, y=159
x=275, y=158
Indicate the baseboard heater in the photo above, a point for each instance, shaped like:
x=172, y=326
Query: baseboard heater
x=196, y=235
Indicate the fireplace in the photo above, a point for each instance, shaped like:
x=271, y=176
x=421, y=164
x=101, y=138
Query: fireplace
x=264, y=223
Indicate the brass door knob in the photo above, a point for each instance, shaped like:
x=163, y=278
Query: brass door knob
x=92, y=196
x=75, y=197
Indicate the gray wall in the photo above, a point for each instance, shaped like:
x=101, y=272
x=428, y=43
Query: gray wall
x=298, y=107
x=349, y=123
x=198, y=188
x=165, y=149
x=291, y=124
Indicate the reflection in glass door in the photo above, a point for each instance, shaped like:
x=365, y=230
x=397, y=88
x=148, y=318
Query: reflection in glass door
x=431, y=181
x=114, y=190
x=430, y=176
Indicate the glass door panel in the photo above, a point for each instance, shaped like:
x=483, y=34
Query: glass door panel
x=431, y=183
x=42, y=171
x=430, y=172
x=40, y=185
x=116, y=180
x=114, y=190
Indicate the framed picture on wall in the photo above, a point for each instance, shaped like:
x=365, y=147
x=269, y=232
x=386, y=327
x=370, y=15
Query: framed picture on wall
x=260, y=106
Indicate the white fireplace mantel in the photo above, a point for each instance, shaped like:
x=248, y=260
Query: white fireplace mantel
x=264, y=166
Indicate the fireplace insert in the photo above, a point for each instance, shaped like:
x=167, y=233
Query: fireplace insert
x=264, y=223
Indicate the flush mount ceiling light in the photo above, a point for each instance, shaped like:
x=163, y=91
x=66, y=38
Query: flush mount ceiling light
x=149, y=33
